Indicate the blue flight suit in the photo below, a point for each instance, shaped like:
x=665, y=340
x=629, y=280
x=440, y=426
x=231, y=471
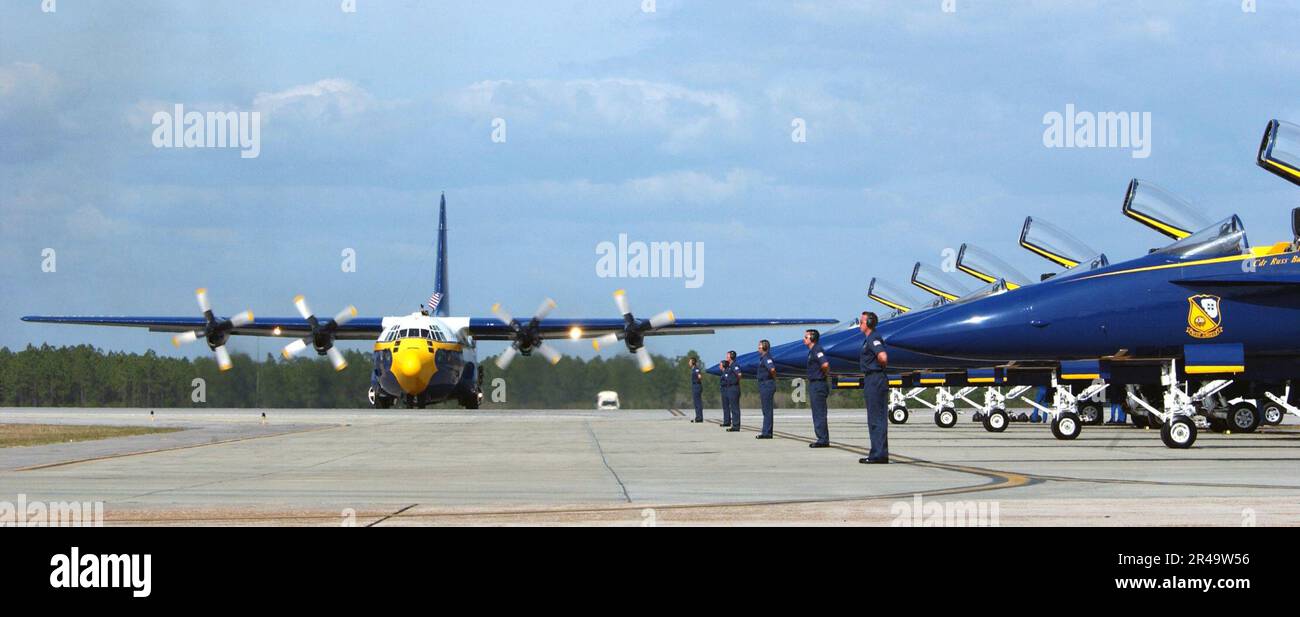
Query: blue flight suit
x=734, y=393
x=818, y=390
x=697, y=393
x=766, y=391
x=875, y=393
x=723, y=380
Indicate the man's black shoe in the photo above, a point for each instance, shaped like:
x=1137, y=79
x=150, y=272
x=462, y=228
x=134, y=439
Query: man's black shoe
x=762, y=436
x=819, y=444
x=874, y=461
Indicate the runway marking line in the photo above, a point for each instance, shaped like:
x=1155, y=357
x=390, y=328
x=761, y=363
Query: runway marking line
x=171, y=449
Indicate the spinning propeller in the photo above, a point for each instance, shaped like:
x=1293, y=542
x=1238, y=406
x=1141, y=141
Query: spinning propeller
x=634, y=331
x=216, y=331
x=322, y=334
x=527, y=337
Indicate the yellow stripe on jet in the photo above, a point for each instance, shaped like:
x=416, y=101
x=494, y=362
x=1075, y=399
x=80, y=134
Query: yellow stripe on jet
x=1058, y=259
x=1080, y=376
x=1164, y=228
x=1223, y=368
x=893, y=305
x=1200, y=262
x=985, y=277
x=1284, y=168
x=938, y=292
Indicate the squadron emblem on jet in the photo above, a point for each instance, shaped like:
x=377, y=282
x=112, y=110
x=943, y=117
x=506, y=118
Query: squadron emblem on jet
x=1204, y=316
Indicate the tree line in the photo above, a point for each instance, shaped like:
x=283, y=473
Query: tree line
x=85, y=376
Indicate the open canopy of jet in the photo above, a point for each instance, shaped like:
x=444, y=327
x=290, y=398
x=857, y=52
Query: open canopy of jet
x=937, y=282
x=988, y=267
x=1162, y=211
x=1279, y=151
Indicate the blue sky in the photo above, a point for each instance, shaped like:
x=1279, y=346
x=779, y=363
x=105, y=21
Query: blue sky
x=924, y=130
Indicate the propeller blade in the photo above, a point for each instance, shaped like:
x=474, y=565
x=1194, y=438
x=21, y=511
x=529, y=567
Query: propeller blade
x=606, y=340
x=665, y=318
x=293, y=348
x=242, y=319
x=549, y=353
x=202, y=294
x=345, y=315
x=300, y=303
x=644, y=361
x=504, y=360
x=336, y=358
x=502, y=314
x=545, y=309
x=223, y=358
x=185, y=337
x=620, y=298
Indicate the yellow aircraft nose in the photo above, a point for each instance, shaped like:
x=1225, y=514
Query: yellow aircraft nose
x=413, y=366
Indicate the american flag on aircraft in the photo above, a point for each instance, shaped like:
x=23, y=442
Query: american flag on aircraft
x=434, y=300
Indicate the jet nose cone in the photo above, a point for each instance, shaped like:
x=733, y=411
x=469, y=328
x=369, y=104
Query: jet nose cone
x=921, y=337
x=409, y=367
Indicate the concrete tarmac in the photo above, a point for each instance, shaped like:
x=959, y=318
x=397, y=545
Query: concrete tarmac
x=646, y=467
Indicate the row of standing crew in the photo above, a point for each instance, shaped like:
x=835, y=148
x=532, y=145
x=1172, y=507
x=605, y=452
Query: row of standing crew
x=872, y=361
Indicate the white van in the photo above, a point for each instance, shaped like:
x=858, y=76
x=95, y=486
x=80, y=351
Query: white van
x=607, y=400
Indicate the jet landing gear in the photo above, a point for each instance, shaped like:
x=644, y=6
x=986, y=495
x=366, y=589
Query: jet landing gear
x=1179, y=409
x=1066, y=422
x=944, y=405
x=378, y=399
x=993, y=413
x=1274, y=407
x=898, y=412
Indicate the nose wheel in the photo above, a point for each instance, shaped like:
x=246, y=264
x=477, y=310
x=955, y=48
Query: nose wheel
x=1179, y=433
x=898, y=415
x=996, y=421
x=1066, y=426
x=946, y=417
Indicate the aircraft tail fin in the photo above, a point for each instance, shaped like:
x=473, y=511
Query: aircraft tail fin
x=439, y=302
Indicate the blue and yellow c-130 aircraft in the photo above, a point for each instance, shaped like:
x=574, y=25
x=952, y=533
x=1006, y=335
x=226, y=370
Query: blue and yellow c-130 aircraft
x=422, y=358
x=1208, y=310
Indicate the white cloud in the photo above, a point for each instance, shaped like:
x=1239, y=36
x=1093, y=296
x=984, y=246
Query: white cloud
x=593, y=106
x=322, y=99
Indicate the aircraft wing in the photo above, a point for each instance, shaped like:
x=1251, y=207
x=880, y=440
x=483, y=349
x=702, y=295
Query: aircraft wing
x=359, y=328
x=493, y=329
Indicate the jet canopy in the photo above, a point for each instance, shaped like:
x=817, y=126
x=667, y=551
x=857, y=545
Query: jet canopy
x=896, y=298
x=998, y=286
x=1223, y=239
x=938, y=282
x=987, y=267
x=1162, y=211
x=1054, y=244
x=1279, y=152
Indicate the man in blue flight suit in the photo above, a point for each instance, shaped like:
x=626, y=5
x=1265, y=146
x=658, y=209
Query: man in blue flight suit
x=697, y=389
x=819, y=369
x=766, y=375
x=724, y=379
x=875, y=388
x=734, y=391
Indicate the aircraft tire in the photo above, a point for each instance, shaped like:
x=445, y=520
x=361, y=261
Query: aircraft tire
x=946, y=417
x=1271, y=414
x=1243, y=417
x=898, y=415
x=1179, y=433
x=1066, y=426
x=1092, y=414
x=996, y=421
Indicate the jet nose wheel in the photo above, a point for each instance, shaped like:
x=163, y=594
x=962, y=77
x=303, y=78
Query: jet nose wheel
x=898, y=415
x=946, y=417
x=1243, y=417
x=1180, y=433
x=996, y=421
x=1066, y=426
x=1271, y=414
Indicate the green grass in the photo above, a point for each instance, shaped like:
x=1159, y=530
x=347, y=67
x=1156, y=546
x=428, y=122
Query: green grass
x=39, y=434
